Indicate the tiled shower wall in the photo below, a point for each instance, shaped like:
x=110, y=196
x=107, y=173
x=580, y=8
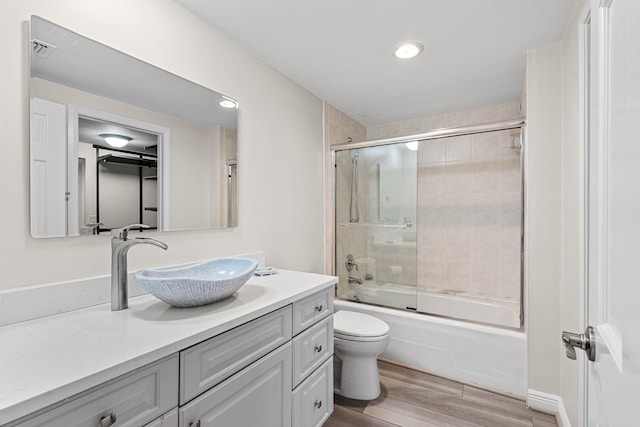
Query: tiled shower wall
x=469, y=215
x=469, y=205
x=474, y=116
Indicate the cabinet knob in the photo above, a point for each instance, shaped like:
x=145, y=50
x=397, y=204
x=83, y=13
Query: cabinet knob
x=318, y=348
x=108, y=420
x=319, y=307
x=194, y=423
x=318, y=404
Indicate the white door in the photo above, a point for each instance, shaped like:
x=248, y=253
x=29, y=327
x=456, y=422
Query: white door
x=48, y=169
x=613, y=214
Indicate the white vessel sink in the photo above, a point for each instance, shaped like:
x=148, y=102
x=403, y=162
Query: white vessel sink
x=197, y=284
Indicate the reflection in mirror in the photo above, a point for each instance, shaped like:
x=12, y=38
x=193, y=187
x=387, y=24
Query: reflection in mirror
x=172, y=166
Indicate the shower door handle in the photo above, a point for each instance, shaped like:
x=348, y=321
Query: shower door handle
x=584, y=342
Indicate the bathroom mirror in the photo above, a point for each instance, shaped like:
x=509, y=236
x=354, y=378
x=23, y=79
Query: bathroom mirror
x=117, y=141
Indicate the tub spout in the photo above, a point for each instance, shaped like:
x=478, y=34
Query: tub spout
x=353, y=280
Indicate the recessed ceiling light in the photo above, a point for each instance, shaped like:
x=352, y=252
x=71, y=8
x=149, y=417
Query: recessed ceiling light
x=408, y=50
x=115, y=140
x=228, y=103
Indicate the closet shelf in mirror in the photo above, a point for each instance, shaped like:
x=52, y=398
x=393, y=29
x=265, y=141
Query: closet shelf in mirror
x=127, y=161
x=372, y=224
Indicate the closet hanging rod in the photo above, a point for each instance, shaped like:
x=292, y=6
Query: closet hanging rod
x=434, y=134
x=128, y=161
x=123, y=150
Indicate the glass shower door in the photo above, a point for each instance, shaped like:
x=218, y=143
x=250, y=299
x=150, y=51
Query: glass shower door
x=376, y=216
x=470, y=216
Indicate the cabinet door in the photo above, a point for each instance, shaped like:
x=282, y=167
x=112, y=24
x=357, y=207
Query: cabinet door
x=207, y=364
x=311, y=309
x=130, y=401
x=313, y=399
x=311, y=348
x=259, y=395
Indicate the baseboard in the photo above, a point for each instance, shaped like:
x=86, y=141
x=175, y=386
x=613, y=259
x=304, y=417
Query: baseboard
x=550, y=403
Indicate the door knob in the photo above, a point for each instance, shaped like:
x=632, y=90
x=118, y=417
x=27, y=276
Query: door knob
x=584, y=342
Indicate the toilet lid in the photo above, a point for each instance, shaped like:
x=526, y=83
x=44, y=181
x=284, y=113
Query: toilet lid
x=354, y=324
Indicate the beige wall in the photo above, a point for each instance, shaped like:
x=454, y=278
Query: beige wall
x=280, y=143
x=572, y=161
x=543, y=210
x=555, y=213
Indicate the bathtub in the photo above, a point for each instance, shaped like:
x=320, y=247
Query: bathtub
x=490, y=357
x=439, y=302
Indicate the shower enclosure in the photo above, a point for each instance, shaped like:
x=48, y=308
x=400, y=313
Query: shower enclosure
x=433, y=222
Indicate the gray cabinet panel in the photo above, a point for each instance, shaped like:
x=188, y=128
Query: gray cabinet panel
x=309, y=310
x=313, y=399
x=259, y=395
x=134, y=400
x=311, y=348
x=210, y=362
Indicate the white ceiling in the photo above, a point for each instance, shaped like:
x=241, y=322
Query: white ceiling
x=341, y=50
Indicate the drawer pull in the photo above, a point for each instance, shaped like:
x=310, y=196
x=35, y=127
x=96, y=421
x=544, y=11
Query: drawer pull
x=319, y=307
x=194, y=423
x=108, y=420
x=318, y=348
x=318, y=404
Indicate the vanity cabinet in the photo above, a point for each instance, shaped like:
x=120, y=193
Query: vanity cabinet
x=245, y=382
x=272, y=371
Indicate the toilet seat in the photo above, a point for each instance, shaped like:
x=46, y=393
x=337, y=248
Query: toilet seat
x=353, y=326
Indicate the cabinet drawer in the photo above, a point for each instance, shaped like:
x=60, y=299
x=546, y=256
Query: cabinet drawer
x=210, y=362
x=313, y=399
x=311, y=348
x=309, y=310
x=170, y=419
x=135, y=399
x=259, y=395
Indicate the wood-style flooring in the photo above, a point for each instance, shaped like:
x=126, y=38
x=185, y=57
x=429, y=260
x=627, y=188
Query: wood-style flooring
x=411, y=398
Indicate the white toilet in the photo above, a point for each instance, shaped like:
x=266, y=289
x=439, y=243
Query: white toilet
x=358, y=340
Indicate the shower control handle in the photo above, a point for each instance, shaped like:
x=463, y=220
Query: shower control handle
x=350, y=263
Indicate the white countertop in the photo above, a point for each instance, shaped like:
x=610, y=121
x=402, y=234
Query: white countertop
x=46, y=360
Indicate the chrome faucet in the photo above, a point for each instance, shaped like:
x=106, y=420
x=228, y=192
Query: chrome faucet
x=120, y=244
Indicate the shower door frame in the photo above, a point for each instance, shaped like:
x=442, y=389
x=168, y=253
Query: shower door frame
x=438, y=134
